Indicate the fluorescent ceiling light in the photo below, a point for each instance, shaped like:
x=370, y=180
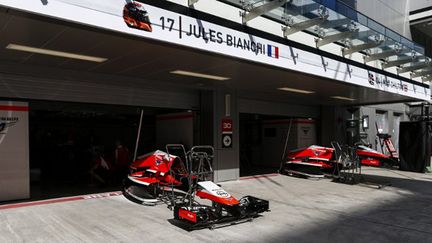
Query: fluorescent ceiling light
x=342, y=98
x=55, y=53
x=301, y=91
x=199, y=75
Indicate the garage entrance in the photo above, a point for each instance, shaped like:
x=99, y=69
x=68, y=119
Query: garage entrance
x=85, y=148
x=263, y=138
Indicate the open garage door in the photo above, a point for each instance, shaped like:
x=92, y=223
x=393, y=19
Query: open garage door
x=80, y=148
x=264, y=139
x=264, y=128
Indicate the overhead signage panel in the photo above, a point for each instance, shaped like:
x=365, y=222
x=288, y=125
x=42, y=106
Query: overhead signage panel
x=152, y=22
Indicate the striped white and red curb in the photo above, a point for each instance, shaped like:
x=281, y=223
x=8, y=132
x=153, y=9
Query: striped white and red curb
x=60, y=200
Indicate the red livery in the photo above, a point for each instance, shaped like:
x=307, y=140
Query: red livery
x=315, y=161
x=224, y=208
x=163, y=177
x=190, y=216
x=151, y=174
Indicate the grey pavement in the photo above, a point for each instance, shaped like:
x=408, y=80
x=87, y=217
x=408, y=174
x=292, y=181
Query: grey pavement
x=301, y=211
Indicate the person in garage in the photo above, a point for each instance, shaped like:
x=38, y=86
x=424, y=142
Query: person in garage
x=121, y=158
x=101, y=170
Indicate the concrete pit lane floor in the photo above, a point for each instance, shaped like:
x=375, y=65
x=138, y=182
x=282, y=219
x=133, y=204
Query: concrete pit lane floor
x=302, y=210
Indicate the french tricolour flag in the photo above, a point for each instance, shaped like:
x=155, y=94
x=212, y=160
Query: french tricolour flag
x=273, y=51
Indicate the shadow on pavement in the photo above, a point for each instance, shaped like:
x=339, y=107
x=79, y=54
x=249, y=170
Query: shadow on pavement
x=405, y=218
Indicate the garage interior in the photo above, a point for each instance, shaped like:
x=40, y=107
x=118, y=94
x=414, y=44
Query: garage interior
x=69, y=140
x=265, y=139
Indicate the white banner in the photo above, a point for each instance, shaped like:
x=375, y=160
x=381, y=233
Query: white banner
x=14, y=151
x=144, y=20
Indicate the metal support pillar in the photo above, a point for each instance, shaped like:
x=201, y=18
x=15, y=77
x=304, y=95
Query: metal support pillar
x=333, y=38
x=361, y=47
x=398, y=62
x=414, y=67
x=192, y=2
x=252, y=13
x=289, y=30
x=426, y=72
x=389, y=53
x=427, y=78
x=329, y=24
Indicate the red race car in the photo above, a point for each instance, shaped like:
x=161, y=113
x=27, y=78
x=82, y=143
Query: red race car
x=152, y=174
x=215, y=207
x=179, y=180
x=315, y=161
x=136, y=16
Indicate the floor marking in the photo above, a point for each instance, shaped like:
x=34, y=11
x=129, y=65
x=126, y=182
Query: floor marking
x=59, y=200
x=259, y=176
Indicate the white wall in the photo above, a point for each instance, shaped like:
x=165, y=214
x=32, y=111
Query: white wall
x=14, y=151
x=392, y=110
x=419, y=4
x=391, y=13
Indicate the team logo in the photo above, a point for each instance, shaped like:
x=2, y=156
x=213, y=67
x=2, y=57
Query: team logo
x=4, y=125
x=222, y=193
x=136, y=16
x=371, y=78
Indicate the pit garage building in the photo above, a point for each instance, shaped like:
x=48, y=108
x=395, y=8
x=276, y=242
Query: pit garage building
x=77, y=76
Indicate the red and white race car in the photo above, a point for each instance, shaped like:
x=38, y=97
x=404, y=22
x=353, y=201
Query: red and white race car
x=180, y=180
x=315, y=161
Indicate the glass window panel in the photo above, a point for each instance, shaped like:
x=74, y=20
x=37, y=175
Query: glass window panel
x=338, y=9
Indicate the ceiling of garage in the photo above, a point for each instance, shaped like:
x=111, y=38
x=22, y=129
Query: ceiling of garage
x=138, y=58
